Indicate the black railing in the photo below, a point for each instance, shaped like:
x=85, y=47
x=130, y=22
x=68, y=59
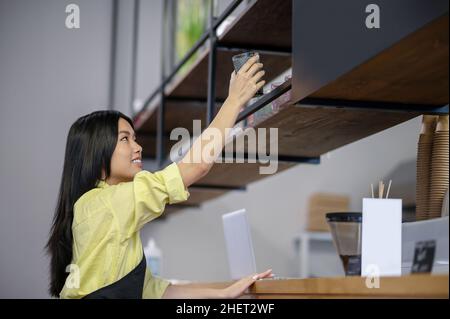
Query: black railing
x=209, y=34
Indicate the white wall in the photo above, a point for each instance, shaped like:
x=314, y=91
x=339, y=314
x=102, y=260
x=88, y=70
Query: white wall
x=49, y=76
x=192, y=240
x=148, y=70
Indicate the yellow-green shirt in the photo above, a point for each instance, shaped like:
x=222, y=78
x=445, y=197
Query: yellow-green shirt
x=106, y=224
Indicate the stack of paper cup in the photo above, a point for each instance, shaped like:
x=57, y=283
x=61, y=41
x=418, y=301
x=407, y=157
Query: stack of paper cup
x=439, y=168
x=423, y=169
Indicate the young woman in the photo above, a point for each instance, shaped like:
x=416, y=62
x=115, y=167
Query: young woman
x=106, y=198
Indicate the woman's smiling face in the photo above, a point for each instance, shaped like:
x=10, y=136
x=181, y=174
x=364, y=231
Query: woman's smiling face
x=126, y=160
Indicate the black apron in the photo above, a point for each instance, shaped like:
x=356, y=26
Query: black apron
x=129, y=287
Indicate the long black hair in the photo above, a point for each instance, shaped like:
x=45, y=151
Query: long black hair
x=90, y=144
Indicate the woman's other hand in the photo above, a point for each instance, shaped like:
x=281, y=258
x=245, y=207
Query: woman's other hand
x=245, y=84
x=240, y=287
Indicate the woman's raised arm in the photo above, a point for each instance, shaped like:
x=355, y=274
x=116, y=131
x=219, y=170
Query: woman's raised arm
x=243, y=87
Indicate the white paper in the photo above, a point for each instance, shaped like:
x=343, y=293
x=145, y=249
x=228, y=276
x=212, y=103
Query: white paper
x=381, y=237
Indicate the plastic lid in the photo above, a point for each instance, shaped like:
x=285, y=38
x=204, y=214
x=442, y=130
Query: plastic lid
x=344, y=217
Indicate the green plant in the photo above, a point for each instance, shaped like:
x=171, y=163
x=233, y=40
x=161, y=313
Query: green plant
x=191, y=23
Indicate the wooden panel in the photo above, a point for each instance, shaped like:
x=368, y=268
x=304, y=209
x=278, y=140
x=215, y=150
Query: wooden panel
x=266, y=23
x=237, y=174
x=311, y=132
x=320, y=204
x=407, y=286
x=414, y=70
x=178, y=114
x=412, y=286
x=342, y=42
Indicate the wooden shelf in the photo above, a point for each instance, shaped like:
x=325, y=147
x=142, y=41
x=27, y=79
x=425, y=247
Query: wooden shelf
x=248, y=31
x=413, y=71
x=305, y=131
x=367, y=99
x=238, y=174
x=265, y=23
x=195, y=83
x=191, y=111
x=411, y=286
x=308, y=131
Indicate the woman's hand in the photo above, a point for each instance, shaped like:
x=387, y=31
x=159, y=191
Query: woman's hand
x=245, y=84
x=233, y=291
x=239, y=287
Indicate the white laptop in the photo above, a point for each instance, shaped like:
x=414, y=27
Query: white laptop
x=434, y=231
x=238, y=241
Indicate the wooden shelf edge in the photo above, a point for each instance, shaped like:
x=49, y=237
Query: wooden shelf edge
x=410, y=286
